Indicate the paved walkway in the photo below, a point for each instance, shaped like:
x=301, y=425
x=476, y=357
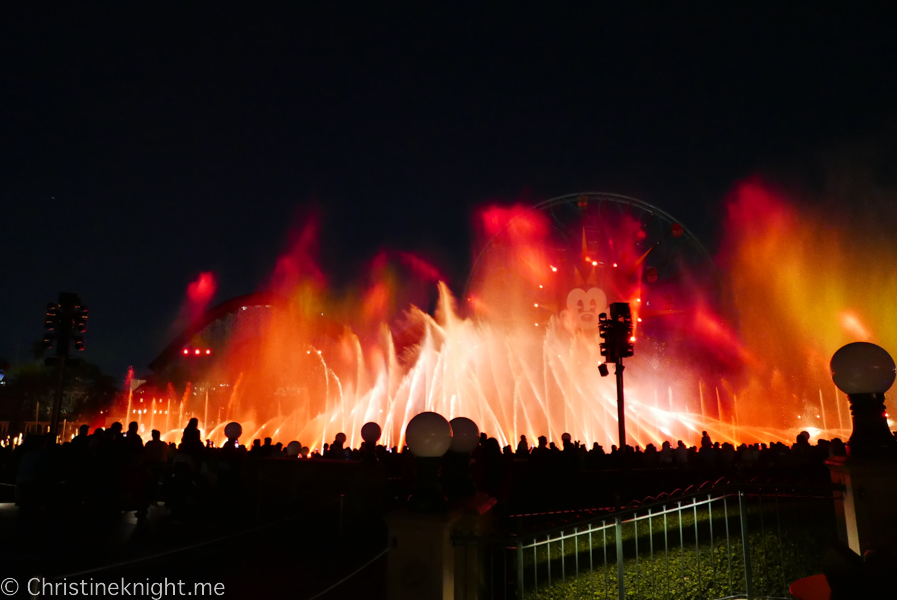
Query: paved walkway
x=297, y=556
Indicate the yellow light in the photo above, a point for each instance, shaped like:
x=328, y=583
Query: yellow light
x=615, y=264
x=540, y=286
x=639, y=319
x=594, y=263
x=536, y=305
x=553, y=268
x=632, y=339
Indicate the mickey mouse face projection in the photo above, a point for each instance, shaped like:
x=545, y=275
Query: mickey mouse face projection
x=583, y=307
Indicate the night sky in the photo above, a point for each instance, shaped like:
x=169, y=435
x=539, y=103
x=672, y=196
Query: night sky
x=142, y=144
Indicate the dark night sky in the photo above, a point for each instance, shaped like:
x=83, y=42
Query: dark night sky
x=142, y=145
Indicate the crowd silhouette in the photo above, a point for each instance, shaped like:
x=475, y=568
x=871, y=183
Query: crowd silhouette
x=99, y=474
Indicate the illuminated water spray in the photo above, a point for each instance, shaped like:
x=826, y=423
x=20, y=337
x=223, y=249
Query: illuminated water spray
x=519, y=355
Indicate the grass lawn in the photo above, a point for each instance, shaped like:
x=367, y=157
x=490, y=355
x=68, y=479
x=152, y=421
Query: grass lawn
x=692, y=553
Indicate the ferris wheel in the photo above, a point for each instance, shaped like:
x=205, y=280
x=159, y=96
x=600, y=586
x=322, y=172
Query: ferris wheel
x=601, y=248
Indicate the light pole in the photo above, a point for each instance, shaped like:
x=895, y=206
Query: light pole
x=617, y=345
x=66, y=322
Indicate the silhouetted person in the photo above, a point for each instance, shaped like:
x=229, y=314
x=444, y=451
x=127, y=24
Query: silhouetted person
x=113, y=435
x=680, y=454
x=132, y=439
x=336, y=451
x=666, y=454
x=191, y=442
x=705, y=440
x=494, y=467
x=80, y=441
x=540, y=452
x=156, y=451
x=522, y=447
x=837, y=447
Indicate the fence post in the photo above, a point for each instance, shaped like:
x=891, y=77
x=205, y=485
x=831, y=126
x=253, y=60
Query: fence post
x=520, y=569
x=621, y=583
x=745, y=545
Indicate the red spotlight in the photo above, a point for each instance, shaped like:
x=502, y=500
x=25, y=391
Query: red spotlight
x=186, y=351
x=197, y=350
x=208, y=351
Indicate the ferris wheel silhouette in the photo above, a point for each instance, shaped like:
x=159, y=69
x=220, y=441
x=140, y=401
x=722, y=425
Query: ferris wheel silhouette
x=603, y=248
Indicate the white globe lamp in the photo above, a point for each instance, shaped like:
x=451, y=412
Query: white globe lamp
x=863, y=368
x=233, y=431
x=370, y=433
x=865, y=372
x=429, y=437
x=465, y=435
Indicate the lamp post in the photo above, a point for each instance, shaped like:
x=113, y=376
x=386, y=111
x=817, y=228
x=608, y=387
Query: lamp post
x=233, y=431
x=865, y=372
x=370, y=433
x=429, y=437
x=866, y=480
x=423, y=562
x=465, y=437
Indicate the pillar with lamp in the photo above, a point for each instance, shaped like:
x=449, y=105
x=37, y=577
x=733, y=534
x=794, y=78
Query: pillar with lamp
x=422, y=558
x=866, y=480
x=865, y=484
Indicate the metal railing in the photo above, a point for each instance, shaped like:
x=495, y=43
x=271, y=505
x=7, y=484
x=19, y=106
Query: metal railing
x=750, y=541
